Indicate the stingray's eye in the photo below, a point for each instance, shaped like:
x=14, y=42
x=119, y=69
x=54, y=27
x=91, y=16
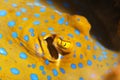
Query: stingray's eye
x=64, y=44
x=54, y=46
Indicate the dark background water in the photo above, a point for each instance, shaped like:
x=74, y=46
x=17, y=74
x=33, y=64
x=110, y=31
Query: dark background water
x=103, y=15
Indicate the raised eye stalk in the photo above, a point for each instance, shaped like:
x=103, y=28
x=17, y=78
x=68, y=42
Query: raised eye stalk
x=63, y=44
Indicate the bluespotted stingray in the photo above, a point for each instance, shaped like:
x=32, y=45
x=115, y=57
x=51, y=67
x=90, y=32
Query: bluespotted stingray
x=40, y=43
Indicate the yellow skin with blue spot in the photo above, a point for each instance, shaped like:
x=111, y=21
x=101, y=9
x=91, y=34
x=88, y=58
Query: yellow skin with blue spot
x=78, y=56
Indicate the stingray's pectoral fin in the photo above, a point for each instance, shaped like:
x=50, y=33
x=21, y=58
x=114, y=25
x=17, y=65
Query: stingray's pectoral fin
x=80, y=23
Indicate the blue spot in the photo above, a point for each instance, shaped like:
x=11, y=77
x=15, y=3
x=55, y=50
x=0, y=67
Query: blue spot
x=100, y=58
x=20, y=28
x=15, y=71
x=78, y=19
x=73, y=66
x=81, y=56
x=34, y=76
x=80, y=65
x=37, y=46
x=18, y=13
x=81, y=78
x=14, y=34
x=21, y=44
x=1, y=36
x=46, y=21
x=41, y=68
x=23, y=10
x=31, y=30
x=104, y=53
x=86, y=37
x=26, y=38
x=43, y=33
x=77, y=32
x=115, y=64
x=78, y=44
x=23, y=55
x=10, y=42
x=46, y=62
x=3, y=13
x=42, y=9
x=70, y=35
x=94, y=57
x=36, y=22
x=3, y=51
x=89, y=62
x=25, y=19
x=48, y=77
x=95, y=47
x=52, y=17
x=43, y=72
x=61, y=21
x=29, y=65
x=62, y=70
x=115, y=55
x=37, y=15
x=67, y=23
x=74, y=55
x=0, y=68
x=37, y=4
x=32, y=34
x=50, y=29
x=88, y=47
x=55, y=73
x=14, y=5
x=6, y=0
x=11, y=23
x=33, y=65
